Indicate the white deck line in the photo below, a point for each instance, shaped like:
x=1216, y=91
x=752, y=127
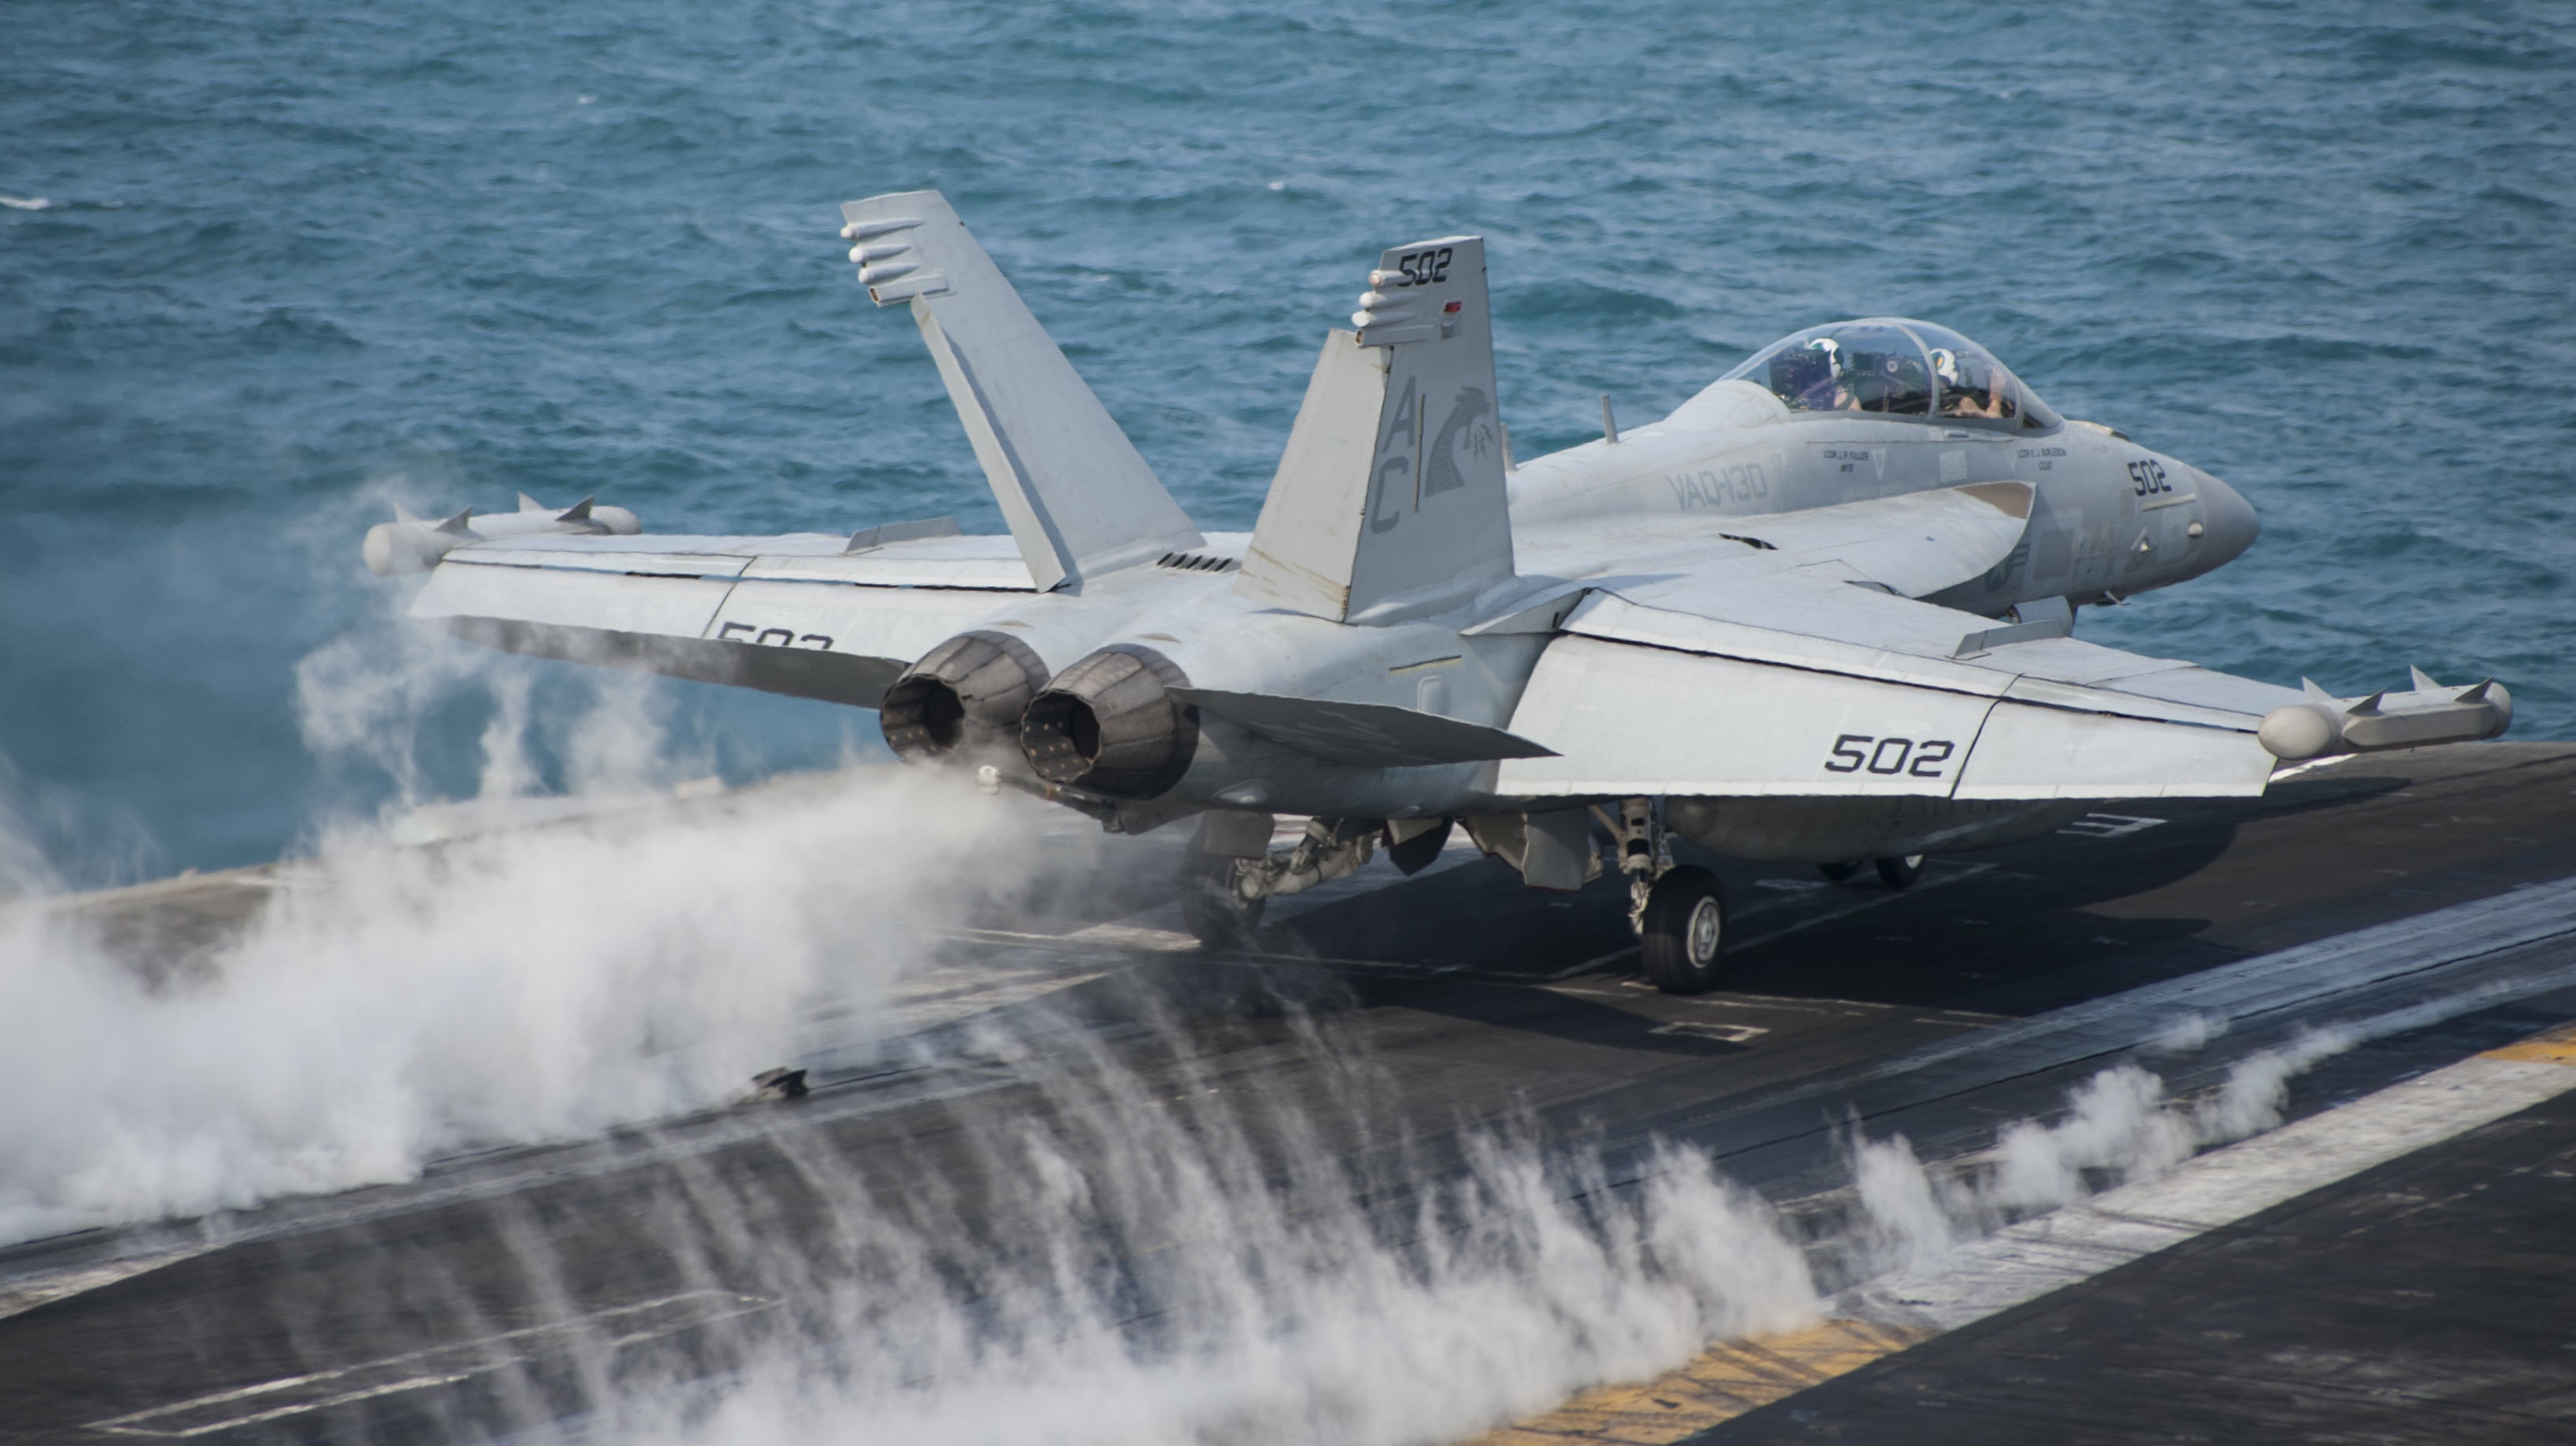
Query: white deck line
x=300, y=1395
x=2023, y=1262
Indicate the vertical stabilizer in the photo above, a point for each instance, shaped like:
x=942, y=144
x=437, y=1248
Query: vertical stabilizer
x=1389, y=499
x=1079, y=498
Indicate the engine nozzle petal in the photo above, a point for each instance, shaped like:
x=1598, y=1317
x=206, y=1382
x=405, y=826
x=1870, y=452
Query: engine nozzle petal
x=1110, y=725
x=968, y=692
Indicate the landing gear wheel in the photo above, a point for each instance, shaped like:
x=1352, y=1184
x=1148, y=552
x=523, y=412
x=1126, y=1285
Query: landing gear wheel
x=1215, y=912
x=1839, y=873
x=1901, y=873
x=1685, y=925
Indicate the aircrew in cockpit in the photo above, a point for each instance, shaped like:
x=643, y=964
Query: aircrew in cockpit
x=1803, y=376
x=1972, y=385
x=1893, y=368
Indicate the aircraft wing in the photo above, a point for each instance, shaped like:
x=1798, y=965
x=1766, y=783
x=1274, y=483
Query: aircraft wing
x=1738, y=680
x=810, y=615
x=813, y=615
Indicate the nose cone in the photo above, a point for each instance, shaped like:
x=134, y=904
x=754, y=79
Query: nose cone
x=2228, y=525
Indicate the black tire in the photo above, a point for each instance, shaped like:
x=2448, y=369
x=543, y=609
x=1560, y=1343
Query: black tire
x=1839, y=873
x=1420, y=851
x=1215, y=914
x=1685, y=930
x=1901, y=873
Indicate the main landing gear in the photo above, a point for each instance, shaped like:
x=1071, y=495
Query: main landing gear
x=1678, y=910
x=1232, y=872
x=1682, y=929
x=1213, y=909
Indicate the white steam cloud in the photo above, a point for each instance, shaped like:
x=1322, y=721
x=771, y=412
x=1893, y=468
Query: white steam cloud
x=388, y=1006
x=1155, y=1257
x=2119, y=1126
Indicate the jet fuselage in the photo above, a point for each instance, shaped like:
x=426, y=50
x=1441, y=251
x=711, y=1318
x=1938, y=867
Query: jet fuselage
x=2108, y=519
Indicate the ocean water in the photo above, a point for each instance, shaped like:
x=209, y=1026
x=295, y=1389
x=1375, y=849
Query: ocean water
x=267, y=267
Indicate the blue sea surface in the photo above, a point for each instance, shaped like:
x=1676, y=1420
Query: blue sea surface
x=266, y=267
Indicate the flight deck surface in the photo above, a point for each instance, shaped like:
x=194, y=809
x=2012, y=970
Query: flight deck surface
x=2425, y=1300
x=414, y=1311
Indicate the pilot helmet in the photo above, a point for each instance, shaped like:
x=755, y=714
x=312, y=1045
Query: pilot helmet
x=1945, y=365
x=1797, y=369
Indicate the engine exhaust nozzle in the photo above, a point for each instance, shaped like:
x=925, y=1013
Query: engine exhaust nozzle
x=966, y=694
x=1110, y=725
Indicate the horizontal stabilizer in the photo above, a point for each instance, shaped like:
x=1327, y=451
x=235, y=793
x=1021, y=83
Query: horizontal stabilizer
x=1079, y=498
x=1374, y=735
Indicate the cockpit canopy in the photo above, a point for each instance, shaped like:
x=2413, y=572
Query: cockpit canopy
x=1896, y=368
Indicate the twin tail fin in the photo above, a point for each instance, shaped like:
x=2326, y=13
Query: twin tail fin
x=1079, y=498
x=1389, y=501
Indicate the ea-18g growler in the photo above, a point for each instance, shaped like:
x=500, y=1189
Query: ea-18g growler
x=1822, y=612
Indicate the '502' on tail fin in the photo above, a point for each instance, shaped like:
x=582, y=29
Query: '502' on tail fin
x=1389, y=500
x=1079, y=498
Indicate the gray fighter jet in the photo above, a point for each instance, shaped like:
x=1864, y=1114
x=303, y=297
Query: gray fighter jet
x=1822, y=612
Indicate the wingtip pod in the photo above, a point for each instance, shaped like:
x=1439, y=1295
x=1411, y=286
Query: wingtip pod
x=378, y=549
x=2430, y=713
x=407, y=545
x=411, y=543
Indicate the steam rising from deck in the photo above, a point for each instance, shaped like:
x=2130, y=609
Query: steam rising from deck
x=388, y=1006
x=1196, y=1264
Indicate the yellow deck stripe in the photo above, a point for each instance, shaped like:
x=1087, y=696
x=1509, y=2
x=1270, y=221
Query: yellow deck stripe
x=2556, y=1046
x=1719, y=1384
x=1733, y=1377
